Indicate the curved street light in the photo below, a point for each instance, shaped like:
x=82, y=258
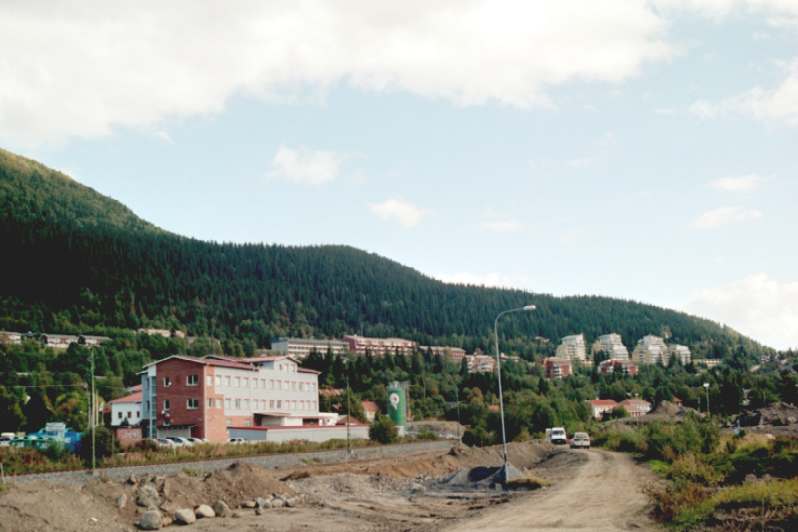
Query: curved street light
x=527, y=308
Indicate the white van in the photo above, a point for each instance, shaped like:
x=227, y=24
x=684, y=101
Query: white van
x=557, y=436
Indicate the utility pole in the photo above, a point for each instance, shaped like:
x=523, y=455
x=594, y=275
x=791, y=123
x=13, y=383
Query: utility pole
x=706, y=387
x=457, y=398
x=348, y=415
x=92, y=410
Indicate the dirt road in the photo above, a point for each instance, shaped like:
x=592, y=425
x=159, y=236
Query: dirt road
x=603, y=494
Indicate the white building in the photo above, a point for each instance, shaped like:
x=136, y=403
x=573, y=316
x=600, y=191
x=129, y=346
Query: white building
x=651, y=350
x=573, y=348
x=300, y=348
x=681, y=352
x=612, y=345
x=126, y=410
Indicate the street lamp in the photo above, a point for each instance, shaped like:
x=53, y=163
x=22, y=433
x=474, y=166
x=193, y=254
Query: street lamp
x=706, y=387
x=527, y=308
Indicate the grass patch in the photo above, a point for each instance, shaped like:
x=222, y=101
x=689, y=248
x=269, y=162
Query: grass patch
x=660, y=467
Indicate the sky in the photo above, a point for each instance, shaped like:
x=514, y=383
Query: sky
x=641, y=149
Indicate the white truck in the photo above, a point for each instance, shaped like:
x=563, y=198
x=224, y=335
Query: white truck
x=557, y=436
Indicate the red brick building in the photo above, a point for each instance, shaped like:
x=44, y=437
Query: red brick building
x=626, y=367
x=557, y=368
x=203, y=397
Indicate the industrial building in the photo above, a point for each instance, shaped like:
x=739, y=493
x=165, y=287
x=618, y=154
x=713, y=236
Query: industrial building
x=217, y=398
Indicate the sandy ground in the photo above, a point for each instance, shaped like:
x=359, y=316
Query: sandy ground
x=587, y=490
x=602, y=494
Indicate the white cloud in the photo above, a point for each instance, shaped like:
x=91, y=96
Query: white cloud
x=779, y=103
x=164, y=136
x=81, y=71
x=305, y=166
x=725, y=216
x=737, y=184
x=501, y=225
x=778, y=12
x=758, y=306
x=406, y=214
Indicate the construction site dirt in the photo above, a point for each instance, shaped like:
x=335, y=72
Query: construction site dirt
x=429, y=490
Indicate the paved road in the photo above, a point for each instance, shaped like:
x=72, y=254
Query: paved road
x=270, y=461
x=603, y=493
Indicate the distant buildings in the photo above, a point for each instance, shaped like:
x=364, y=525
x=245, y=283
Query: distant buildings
x=681, y=353
x=481, y=364
x=612, y=345
x=125, y=410
x=54, y=341
x=300, y=348
x=612, y=366
x=455, y=354
x=636, y=407
x=557, y=368
x=651, y=350
x=360, y=345
x=573, y=348
x=599, y=407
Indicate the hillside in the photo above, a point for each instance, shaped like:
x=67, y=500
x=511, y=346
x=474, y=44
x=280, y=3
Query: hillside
x=75, y=260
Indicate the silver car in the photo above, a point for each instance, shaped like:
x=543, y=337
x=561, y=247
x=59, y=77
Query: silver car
x=581, y=440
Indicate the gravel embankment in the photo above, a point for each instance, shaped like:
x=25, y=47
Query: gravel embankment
x=273, y=461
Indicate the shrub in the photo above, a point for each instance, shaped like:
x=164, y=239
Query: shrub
x=383, y=430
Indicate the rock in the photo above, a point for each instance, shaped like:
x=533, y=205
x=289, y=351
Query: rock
x=167, y=521
x=185, y=516
x=150, y=520
x=277, y=502
x=203, y=511
x=132, y=480
x=290, y=502
x=248, y=504
x=258, y=511
x=221, y=508
x=121, y=501
x=147, y=496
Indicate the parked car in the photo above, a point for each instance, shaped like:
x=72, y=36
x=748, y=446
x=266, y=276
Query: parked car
x=558, y=436
x=165, y=442
x=197, y=441
x=237, y=440
x=581, y=440
x=180, y=441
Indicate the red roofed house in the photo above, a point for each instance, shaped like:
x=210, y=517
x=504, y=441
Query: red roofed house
x=371, y=410
x=125, y=410
x=636, y=407
x=598, y=407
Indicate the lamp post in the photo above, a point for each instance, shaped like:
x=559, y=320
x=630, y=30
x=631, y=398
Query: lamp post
x=527, y=308
x=93, y=418
x=706, y=387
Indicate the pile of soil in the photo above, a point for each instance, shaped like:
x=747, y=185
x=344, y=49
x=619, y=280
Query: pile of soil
x=778, y=415
x=238, y=483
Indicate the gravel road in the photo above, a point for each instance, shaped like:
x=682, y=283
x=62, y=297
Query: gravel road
x=269, y=461
x=602, y=493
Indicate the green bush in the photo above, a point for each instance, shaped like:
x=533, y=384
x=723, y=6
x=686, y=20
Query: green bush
x=383, y=430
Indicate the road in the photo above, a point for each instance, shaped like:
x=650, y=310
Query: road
x=603, y=493
x=280, y=460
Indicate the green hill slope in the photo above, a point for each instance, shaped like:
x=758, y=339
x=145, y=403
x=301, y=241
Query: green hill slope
x=76, y=260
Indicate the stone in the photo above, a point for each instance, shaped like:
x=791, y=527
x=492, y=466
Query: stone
x=147, y=496
x=258, y=511
x=167, y=521
x=289, y=502
x=185, y=516
x=248, y=504
x=121, y=501
x=150, y=520
x=222, y=509
x=203, y=511
x=277, y=502
x=132, y=479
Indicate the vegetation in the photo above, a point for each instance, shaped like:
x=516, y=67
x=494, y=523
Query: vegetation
x=714, y=480
x=383, y=430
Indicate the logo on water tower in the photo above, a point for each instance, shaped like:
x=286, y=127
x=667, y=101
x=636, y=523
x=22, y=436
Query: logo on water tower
x=394, y=399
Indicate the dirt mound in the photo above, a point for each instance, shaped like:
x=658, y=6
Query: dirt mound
x=238, y=483
x=40, y=506
x=778, y=415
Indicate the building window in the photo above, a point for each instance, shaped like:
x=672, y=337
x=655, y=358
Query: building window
x=192, y=380
x=209, y=380
x=238, y=382
x=210, y=403
x=227, y=380
x=227, y=403
x=192, y=404
x=218, y=380
x=218, y=403
x=271, y=404
x=166, y=404
x=271, y=384
x=119, y=415
x=238, y=404
x=129, y=414
x=167, y=382
x=246, y=404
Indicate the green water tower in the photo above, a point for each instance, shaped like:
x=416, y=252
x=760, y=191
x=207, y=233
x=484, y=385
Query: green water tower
x=397, y=404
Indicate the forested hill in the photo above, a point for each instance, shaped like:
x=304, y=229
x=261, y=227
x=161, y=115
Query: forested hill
x=76, y=261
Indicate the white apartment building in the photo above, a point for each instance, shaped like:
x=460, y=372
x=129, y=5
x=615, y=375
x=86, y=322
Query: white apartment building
x=574, y=348
x=300, y=348
x=126, y=410
x=681, y=353
x=651, y=350
x=612, y=344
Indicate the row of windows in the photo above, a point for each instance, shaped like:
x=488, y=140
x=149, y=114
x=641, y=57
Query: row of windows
x=264, y=384
x=257, y=405
x=130, y=414
x=191, y=380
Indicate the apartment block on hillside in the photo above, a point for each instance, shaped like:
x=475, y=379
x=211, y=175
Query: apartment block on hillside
x=300, y=348
x=651, y=350
x=612, y=345
x=573, y=348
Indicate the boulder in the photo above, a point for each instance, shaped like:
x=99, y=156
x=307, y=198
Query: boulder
x=185, y=516
x=167, y=521
x=147, y=496
x=221, y=508
x=203, y=511
x=258, y=511
x=278, y=502
x=248, y=504
x=150, y=520
x=132, y=480
x=121, y=501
